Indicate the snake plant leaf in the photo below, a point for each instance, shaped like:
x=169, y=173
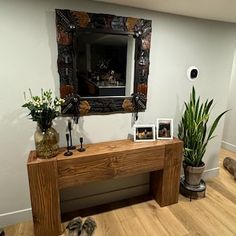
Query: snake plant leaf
x=215, y=123
x=208, y=106
x=193, y=128
x=193, y=95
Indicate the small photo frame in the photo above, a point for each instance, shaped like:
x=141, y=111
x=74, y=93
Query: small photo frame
x=164, y=128
x=144, y=133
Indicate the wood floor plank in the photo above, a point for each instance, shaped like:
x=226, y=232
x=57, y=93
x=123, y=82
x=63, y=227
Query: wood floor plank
x=133, y=227
x=108, y=224
x=209, y=222
x=193, y=226
x=224, y=188
x=215, y=199
x=169, y=222
x=129, y=221
x=148, y=219
x=24, y=229
x=124, y=213
x=225, y=215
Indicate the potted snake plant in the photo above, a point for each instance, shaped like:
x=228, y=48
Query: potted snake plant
x=195, y=133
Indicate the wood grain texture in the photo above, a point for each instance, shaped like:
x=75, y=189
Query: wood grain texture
x=165, y=184
x=213, y=215
x=101, y=161
x=45, y=198
x=110, y=160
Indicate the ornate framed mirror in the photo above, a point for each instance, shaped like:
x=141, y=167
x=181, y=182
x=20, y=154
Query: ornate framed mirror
x=103, y=62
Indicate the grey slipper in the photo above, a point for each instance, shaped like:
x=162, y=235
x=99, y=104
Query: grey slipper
x=75, y=226
x=88, y=227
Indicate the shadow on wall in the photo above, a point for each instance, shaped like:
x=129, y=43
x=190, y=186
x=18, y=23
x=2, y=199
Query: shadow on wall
x=52, y=43
x=16, y=135
x=61, y=125
x=178, y=114
x=16, y=142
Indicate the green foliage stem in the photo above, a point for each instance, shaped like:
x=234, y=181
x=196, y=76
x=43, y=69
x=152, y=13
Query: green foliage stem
x=193, y=129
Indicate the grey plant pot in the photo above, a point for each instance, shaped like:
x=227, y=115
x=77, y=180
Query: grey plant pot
x=193, y=175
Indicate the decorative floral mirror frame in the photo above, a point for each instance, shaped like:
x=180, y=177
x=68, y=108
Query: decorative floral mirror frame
x=68, y=24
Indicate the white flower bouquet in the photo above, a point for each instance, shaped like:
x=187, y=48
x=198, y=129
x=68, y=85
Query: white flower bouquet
x=43, y=109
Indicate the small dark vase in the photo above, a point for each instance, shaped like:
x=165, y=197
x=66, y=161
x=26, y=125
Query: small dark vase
x=46, y=142
x=193, y=175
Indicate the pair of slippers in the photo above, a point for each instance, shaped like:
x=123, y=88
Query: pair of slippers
x=76, y=226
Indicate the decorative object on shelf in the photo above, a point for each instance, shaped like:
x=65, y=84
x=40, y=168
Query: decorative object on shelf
x=71, y=27
x=68, y=152
x=81, y=149
x=139, y=101
x=230, y=164
x=43, y=109
x=193, y=130
x=84, y=107
x=128, y=105
x=144, y=133
x=72, y=103
x=71, y=146
x=164, y=128
x=46, y=142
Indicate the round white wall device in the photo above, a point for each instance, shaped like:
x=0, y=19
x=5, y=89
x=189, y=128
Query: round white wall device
x=192, y=73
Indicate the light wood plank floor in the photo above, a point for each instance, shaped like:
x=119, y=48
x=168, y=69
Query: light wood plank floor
x=213, y=215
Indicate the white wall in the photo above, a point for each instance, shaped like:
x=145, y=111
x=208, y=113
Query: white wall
x=28, y=60
x=229, y=135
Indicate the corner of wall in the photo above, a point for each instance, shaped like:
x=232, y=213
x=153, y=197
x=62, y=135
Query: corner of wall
x=228, y=146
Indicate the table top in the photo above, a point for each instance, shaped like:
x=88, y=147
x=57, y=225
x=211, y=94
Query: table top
x=103, y=148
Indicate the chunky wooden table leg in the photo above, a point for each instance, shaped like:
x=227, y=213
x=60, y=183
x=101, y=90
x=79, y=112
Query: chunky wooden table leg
x=164, y=184
x=45, y=199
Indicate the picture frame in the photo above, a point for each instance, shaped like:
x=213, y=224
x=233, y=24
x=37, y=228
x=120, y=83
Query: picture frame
x=164, y=128
x=144, y=133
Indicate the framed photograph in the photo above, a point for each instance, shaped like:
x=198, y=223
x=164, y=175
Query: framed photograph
x=164, y=128
x=144, y=133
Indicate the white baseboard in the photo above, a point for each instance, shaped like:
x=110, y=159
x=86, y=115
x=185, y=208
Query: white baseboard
x=14, y=217
x=208, y=174
x=228, y=146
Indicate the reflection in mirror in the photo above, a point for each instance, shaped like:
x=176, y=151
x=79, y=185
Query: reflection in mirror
x=102, y=64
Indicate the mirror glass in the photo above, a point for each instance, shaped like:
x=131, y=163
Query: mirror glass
x=101, y=61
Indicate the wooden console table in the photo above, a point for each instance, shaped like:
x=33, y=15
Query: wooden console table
x=101, y=161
